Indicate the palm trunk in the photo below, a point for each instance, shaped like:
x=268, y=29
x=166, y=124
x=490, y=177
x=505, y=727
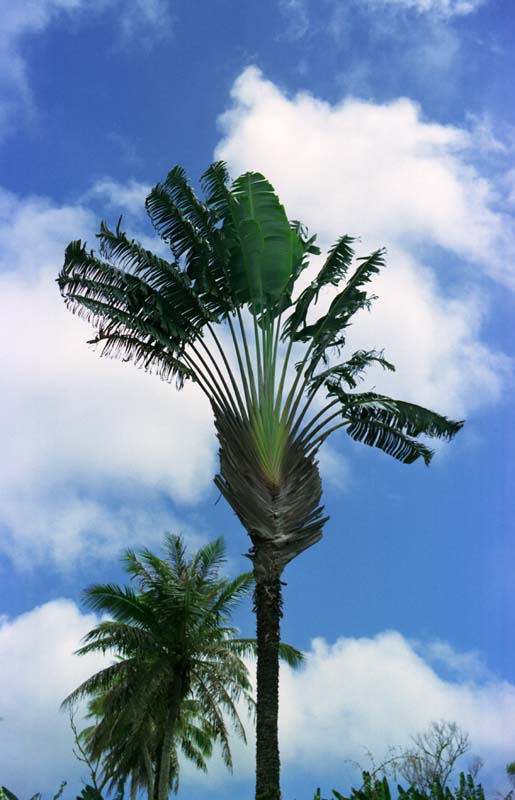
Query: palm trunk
x=268, y=608
x=163, y=789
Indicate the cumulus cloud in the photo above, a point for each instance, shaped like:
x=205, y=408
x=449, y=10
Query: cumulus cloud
x=351, y=695
x=375, y=692
x=381, y=171
x=128, y=197
x=87, y=443
x=142, y=18
x=38, y=671
x=386, y=174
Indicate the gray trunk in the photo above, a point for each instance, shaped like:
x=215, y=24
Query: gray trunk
x=163, y=789
x=268, y=607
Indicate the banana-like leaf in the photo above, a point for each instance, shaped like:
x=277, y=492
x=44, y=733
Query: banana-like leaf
x=350, y=371
x=328, y=331
x=333, y=270
x=413, y=419
x=393, y=425
x=265, y=250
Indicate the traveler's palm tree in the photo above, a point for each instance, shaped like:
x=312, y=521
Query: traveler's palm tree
x=222, y=312
x=179, y=671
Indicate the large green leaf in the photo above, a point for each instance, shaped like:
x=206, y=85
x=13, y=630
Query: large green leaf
x=264, y=248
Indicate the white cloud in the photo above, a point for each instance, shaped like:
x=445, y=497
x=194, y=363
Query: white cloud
x=351, y=695
x=427, y=46
x=386, y=174
x=433, y=339
x=335, y=469
x=444, y=8
x=129, y=197
x=133, y=18
x=76, y=429
x=375, y=692
x=38, y=671
x=380, y=171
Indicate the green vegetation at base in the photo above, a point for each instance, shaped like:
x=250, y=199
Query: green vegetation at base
x=379, y=789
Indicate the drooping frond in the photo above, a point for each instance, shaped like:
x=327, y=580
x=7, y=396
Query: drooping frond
x=122, y=603
x=134, y=321
x=165, y=278
x=109, y=636
x=290, y=655
x=393, y=425
x=414, y=419
x=100, y=682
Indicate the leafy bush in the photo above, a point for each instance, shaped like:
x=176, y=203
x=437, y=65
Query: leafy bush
x=6, y=794
x=376, y=789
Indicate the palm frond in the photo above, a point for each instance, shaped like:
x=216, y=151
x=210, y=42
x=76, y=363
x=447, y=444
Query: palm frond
x=333, y=270
x=123, y=603
x=290, y=655
x=232, y=594
x=393, y=425
x=413, y=419
x=165, y=278
x=328, y=331
x=209, y=559
x=190, y=229
x=350, y=372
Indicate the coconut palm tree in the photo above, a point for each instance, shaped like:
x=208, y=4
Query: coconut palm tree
x=127, y=753
x=222, y=311
x=179, y=666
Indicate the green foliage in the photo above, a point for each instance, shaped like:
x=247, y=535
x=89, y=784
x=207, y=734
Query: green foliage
x=232, y=251
x=171, y=637
x=264, y=249
x=379, y=789
x=6, y=794
x=179, y=663
x=89, y=793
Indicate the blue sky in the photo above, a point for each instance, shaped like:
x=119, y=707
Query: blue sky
x=392, y=120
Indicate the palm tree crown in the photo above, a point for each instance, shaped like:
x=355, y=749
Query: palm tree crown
x=178, y=666
x=235, y=260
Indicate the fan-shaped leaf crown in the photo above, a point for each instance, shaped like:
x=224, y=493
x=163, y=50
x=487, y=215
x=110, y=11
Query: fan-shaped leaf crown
x=235, y=259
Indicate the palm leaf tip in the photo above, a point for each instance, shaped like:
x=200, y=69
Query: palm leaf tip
x=394, y=425
x=292, y=656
